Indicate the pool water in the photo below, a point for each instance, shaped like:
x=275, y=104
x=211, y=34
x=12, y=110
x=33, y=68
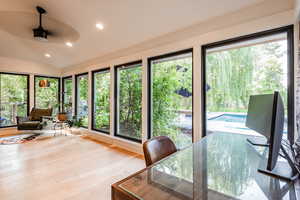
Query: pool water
x=230, y=118
x=234, y=123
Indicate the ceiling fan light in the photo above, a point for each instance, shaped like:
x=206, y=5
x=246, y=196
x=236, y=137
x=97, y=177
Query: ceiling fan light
x=41, y=39
x=40, y=34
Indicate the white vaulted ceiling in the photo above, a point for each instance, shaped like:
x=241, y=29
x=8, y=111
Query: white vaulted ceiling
x=126, y=22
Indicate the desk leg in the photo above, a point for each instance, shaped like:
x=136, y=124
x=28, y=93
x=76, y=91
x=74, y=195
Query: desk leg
x=200, y=188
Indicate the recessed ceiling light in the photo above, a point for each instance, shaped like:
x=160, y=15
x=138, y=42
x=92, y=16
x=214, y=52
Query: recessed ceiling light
x=69, y=44
x=99, y=26
x=47, y=55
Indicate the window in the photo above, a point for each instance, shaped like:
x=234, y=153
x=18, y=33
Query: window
x=171, y=97
x=49, y=95
x=101, y=100
x=235, y=69
x=128, y=102
x=81, y=107
x=14, y=98
x=67, y=83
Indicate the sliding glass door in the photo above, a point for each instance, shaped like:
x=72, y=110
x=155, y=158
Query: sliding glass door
x=14, y=98
x=171, y=97
x=101, y=100
x=128, y=101
x=81, y=95
x=235, y=69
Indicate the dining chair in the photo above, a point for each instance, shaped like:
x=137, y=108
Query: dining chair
x=158, y=148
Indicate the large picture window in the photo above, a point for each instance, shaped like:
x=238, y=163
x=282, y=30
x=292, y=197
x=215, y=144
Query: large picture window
x=250, y=65
x=67, y=83
x=171, y=97
x=47, y=96
x=101, y=100
x=14, y=98
x=81, y=107
x=128, y=102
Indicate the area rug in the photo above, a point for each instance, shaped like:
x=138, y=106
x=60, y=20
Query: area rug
x=18, y=139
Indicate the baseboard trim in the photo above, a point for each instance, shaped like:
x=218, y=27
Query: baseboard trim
x=118, y=142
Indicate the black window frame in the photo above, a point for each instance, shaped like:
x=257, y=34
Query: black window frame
x=102, y=70
x=137, y=62
x=28, y=93
x=63, y=90
x=289, y=30
x=76, y=94
x=149, y=87
x=59, y=88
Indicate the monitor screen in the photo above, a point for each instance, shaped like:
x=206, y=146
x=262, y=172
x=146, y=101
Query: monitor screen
x=260, y=112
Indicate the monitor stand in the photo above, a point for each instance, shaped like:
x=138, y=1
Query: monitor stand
x=281, y=170
x=258, y=141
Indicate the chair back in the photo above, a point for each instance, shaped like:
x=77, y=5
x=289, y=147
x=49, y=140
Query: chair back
x=36, y=114
x=158, y=148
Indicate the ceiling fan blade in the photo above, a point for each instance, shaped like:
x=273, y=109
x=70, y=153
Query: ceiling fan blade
x=51, y=33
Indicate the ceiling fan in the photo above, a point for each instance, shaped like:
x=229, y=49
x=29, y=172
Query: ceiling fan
x=40, y=33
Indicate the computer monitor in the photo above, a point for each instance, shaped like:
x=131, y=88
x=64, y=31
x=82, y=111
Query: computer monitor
x=266, y=116
x=260, y=113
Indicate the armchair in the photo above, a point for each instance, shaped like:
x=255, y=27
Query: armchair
x=34, y=120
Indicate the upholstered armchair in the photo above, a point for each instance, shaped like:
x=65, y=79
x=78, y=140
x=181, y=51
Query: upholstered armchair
x=34, y=120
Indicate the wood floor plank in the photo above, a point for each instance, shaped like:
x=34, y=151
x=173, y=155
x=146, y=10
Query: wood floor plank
x=63, y=168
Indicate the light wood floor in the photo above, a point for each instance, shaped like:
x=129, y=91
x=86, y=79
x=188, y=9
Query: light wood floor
x=63, y=167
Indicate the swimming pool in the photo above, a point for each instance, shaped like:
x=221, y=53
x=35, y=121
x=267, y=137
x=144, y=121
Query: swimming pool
x=231, y=122
x=230, y=118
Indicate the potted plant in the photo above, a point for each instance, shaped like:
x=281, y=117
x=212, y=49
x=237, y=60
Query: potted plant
x=75, y=122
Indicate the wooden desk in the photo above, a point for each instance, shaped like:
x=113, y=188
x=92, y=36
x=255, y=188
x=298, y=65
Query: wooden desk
x=220, y=166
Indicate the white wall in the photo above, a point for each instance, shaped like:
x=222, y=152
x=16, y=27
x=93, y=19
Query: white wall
x=28, y=67
x=265, y=23
x=297, y=9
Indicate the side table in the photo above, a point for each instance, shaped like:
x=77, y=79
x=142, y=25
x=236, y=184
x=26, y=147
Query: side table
x=61, y=126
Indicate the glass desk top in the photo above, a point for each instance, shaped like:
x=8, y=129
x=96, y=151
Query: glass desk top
x=220, y=166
